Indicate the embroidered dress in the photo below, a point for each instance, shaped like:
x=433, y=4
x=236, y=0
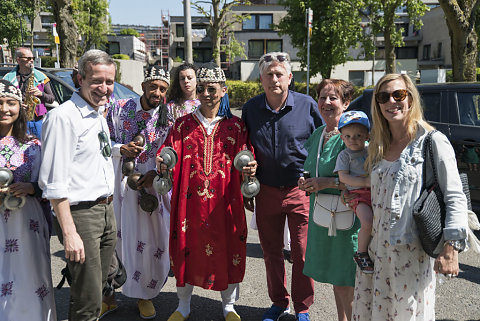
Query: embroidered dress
x=328, y=259
x=142, y=242
x=177, y=111
x=208, y=230
x=26, y=291
x=402, y=286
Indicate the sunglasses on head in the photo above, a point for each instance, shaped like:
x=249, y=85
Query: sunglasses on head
x=280, y=58
x=210, y=90
x=398, y=95
x=104, y=144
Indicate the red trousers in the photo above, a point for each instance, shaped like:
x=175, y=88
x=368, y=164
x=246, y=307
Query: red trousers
x=273, y=204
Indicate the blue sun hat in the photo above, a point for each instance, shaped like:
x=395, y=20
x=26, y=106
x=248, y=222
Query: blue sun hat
x=353, y=117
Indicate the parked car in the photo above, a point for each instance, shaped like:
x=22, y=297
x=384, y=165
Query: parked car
x=63, y=87
x=453, y=109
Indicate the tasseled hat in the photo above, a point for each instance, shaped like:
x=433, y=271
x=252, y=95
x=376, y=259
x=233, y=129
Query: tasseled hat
x=157, y=73
x=7, y=89
x=212, y=73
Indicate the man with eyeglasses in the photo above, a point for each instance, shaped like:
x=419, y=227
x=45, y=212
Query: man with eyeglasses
x=142, y=237
x=20, y=75
x=208, y=232
x=77, y=177
x=280, y=122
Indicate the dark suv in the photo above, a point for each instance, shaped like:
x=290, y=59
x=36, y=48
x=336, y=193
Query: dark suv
x=453, y=109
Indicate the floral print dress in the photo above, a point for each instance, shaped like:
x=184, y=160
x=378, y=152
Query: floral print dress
x=176, y=111
x=26, y=291
x=402, y=286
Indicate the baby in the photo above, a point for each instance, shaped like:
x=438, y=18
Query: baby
x=354, y=127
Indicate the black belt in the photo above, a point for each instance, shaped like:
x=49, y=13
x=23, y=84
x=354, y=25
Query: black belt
x=87, y=204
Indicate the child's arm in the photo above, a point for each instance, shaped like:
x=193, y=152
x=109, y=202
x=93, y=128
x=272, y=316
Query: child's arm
x=355, y=181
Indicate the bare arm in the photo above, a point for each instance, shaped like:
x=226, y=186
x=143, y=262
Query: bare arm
x=351, y=180
x=74, y=250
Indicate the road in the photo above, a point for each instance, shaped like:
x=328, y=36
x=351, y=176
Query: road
x=457, y=299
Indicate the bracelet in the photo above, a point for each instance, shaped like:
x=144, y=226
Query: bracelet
x=337, y=182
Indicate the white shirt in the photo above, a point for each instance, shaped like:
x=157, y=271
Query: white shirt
x=73, y=166
x=208, y=126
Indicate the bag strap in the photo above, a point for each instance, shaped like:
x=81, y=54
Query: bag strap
x=427, y=148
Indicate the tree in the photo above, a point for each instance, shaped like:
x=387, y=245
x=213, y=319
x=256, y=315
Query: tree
x=335, y=28
x=92, y=20
x=233, y=48
x=129, y=32
x=385, y=16
x=31, y=9
x=12, y=23
x=220, y=19
x=460, y=16
x=67, y=31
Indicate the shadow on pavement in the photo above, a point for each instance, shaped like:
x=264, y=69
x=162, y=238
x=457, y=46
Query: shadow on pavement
x=254, y=250
x=470, y=273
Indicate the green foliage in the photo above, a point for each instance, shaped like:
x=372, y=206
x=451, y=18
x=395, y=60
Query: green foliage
x=177, y=59
x=12, y=24
x=233, y=48
x=239, y=92
x=301, y=87
x=220, y=19
x=118, y=72
x=92, y=20
x=129, y=32
x=48, y=61
x=335, y=28
x=31, y=10
x=121, y=57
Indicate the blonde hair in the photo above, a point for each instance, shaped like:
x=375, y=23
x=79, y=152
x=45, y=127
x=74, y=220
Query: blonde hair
x=380, y=135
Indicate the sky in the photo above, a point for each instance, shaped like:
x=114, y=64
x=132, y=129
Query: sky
x=144, y=12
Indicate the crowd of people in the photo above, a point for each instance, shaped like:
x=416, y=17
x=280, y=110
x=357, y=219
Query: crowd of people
x=95, y=161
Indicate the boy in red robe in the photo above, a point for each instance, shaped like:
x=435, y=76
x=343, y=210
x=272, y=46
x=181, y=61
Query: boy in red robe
x=208, y=230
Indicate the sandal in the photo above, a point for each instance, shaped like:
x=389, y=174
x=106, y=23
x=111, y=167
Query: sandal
x=364, y=262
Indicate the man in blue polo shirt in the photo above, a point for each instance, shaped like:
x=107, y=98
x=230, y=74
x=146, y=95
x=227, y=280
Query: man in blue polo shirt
x=279, y=123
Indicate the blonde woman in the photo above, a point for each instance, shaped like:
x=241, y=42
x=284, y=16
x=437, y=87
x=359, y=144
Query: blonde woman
x=402, y=286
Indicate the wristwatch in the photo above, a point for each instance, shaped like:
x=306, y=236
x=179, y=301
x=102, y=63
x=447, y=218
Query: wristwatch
x=337, y=182
x=458, y=245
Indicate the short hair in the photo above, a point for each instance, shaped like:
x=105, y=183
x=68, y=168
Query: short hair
x=263, y=64
x=18, y=51
x=94, y=57
x=344, y=89
x=381, y=135
x=175, y=92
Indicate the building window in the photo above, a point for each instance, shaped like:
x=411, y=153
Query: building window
x=406, y=52
x=426, y=52
x=258, y=22
x=356, y=77
x=180, y=52
x=113, y=48
x=179, y=30
x=403, y=26
x=439, y=50
x=256, y=48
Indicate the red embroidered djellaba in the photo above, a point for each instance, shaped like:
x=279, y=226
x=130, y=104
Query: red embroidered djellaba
x=208, y=230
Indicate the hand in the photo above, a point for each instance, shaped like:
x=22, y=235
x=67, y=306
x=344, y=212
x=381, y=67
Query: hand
x=249, y=203
x=250, y=169
x=21, y=189
x=74, y=250
x=447, y=261
x=130, y=150
x=347, y=197
x=301, y=183
x=147, y=179
x=161, y=166
x=35, y=92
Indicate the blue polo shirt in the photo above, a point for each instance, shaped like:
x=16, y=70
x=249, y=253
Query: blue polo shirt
x=279, y=137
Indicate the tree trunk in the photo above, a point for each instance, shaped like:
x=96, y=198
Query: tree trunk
x=67, y=31
x=390, y=63
x=461, y=28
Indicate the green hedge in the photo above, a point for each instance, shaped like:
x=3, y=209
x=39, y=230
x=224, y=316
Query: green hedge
x=121, y=57
x=48, y=61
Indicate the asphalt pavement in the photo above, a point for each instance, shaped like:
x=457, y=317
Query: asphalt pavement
x=457, y=299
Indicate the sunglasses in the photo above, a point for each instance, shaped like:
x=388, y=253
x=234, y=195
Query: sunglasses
x=104, y=144
x=398, y=95
x=27, y=58
x=280, y=58
x=210, y=90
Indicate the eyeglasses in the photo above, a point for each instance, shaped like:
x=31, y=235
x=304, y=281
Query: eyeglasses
x=210, y=90
x=104, y=144
x=398, y=95
x=280, y=58
x=27, y=58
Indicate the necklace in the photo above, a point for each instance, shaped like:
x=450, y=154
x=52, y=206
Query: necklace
x=330, y=134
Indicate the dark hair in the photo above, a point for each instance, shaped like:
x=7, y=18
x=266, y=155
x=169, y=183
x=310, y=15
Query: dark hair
x=19, y=130
x=175, y=92
x=342, y=88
